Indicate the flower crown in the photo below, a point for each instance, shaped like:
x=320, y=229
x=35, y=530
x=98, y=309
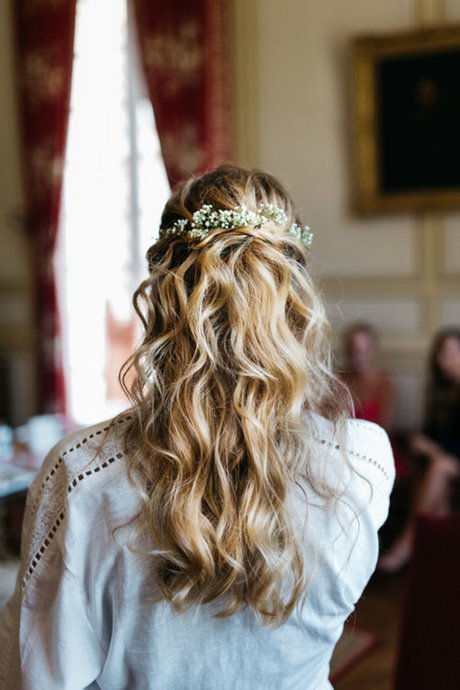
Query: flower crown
x=207, y=219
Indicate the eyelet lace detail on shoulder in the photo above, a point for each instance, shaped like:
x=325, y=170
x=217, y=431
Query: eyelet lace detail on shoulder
x=48, y=502
x=355, y=454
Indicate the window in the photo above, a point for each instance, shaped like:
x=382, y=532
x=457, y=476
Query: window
x=115, y=187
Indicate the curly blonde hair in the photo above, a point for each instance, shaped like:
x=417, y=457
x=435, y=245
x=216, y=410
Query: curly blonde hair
x=236, y=347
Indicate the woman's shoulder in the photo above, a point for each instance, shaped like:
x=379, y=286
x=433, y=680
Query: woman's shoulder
x=366, y=445
x=86, y=440
x=371, y=440
x=77, y=467
x=82, y=453
x=371, y=454
x=355, y=460
x=354, y=429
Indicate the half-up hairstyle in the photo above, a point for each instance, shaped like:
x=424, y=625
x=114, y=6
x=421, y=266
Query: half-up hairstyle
x=236, y=347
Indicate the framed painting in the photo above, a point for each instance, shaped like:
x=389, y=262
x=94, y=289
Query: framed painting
x=406, y=95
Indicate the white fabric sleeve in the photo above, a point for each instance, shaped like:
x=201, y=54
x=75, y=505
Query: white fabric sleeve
x=371, y=455
x=46, y=637
x=357, y=463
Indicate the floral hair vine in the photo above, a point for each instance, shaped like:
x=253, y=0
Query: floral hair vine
x=207, y=219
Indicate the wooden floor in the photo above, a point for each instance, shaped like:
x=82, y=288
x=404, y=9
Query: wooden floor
x=379, y=611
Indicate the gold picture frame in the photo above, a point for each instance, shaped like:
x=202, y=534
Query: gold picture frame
x=406, y=98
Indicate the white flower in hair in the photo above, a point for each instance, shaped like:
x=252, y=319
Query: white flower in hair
x=303, y=233
x=207, y=218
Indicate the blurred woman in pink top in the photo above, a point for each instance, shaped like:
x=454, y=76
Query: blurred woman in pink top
x=371, y=388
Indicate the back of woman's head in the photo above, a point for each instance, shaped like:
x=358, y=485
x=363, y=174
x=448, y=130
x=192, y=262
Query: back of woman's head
x=236, y=346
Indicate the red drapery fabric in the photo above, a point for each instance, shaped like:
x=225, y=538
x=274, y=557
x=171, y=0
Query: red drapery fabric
x=183, y=48
x=44, y=45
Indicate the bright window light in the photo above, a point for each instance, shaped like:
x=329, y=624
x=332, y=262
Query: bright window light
x=115, y=187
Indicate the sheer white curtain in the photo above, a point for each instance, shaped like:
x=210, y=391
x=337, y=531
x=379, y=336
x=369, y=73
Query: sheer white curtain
x=115, y=188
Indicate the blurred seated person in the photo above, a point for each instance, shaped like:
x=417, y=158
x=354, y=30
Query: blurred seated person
x=371, y=388
x=439, y=443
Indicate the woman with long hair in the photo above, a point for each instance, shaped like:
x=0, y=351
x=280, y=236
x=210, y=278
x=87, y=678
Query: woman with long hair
x=218, y=534
x=439, y=443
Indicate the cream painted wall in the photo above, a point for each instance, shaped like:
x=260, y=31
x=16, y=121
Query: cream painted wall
x=303, y=94
x=16, y=333
x=401, y=273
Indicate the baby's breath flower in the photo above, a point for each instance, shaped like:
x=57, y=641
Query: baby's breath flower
x=304, y=234
x=206, y=219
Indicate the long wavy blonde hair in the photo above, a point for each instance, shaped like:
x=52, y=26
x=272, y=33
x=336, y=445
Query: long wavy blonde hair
x=236, y=347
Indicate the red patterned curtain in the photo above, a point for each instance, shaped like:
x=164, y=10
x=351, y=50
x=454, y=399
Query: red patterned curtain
x=183, y=50
x=44, y=44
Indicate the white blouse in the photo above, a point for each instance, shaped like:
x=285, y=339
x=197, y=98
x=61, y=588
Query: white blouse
x=82, y=617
